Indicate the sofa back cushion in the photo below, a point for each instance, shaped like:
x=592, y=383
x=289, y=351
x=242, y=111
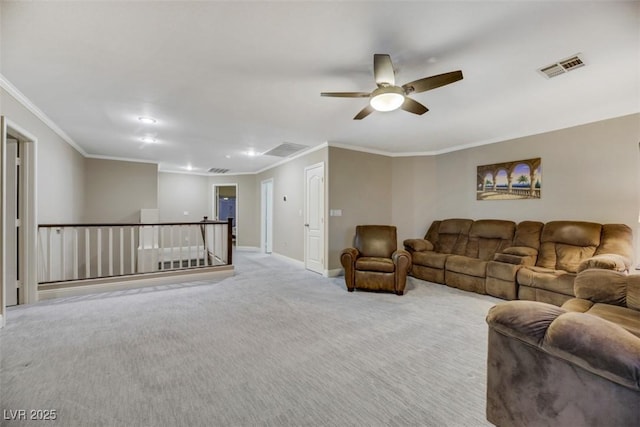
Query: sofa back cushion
x=452, y=236
x=608, y=287
x=617, y=239
x=488, y=236
x=376, y=240
x=528, y=234
x=565, y=244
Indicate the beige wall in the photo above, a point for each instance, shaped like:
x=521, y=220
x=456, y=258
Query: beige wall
x=179, y=193
x=60, y=168
x=413, y=186
x=288, y=216
x=360, y=184
x=115, y=191
x=247, y=204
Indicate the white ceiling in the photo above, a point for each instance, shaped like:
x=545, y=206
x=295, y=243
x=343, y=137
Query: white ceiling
x=226, y=77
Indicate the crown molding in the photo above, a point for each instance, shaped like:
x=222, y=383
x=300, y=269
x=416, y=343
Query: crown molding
x=29, y=105
x=119, y=159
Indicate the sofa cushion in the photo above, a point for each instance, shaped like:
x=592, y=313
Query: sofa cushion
x=528, y=234
x=383, y=265
x=465, y=265
x=488, y=236
x=430, y=259
x=548, y=279
x=452, y=236
x=617, y=239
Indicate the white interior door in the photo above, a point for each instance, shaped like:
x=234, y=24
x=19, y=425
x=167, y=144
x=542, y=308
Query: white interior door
x=314, y=218
x=12, y=225
x=266, y=228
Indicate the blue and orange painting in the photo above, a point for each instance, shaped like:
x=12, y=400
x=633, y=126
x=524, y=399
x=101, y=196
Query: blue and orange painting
x=521, y=179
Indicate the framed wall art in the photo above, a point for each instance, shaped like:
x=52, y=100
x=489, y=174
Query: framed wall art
x=520, y=179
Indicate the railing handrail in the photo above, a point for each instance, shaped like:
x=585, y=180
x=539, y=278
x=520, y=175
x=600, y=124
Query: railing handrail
x=130, y=224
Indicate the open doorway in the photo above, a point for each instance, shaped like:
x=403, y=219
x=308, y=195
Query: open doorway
x=225, y=205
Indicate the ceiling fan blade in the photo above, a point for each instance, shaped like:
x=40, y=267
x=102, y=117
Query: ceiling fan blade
x=432, y=82
x=383, y=70
x=413, y=106
x=364, y=112
x=346, y=94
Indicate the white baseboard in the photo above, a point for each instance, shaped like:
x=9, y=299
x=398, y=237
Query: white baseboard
x=248, y=248
x=336, y=272
x=290, y=260
x=133, y=282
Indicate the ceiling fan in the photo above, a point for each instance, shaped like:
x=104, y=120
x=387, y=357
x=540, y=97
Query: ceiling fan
x=388, y=96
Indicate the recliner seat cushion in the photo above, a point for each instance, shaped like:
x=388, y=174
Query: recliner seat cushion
x=547, y=278
x=465, y=265
x=430, y=259
x=383, y=265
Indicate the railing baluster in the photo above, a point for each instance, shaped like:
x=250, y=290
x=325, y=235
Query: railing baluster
x=75, y=254
x=121, y=251
x=133, y=254
x=181, y=244
x=110, y=251
x=49, y=255
x=87, y=253
x=62, y=257
x=99, y=249
x=189, y=234
x=142, y=251
x=161, y=254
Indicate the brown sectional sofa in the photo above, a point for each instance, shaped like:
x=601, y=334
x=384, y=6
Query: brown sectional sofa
x=576, y=365
x=530, y=260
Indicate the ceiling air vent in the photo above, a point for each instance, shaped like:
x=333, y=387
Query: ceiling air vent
x=218, y=170
x=562, y=67
x=285, y=150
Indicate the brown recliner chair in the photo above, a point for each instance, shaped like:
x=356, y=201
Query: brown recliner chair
x=374, y=263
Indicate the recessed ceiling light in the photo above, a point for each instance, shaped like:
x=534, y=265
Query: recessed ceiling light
x=148, y=139
x=147, y=120
x=251, y=153
x=189, y=167
x=228, y=156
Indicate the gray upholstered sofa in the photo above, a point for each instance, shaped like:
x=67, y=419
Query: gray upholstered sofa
x=576, y=365
x=530, y=260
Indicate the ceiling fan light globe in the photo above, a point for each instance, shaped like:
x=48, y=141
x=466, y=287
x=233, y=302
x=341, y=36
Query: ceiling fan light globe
x=387, y=98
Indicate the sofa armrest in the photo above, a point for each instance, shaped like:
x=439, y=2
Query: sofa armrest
x=418, y=245
x=402, y=260
x=613, y=262
x=518, y=255
x=594, y=344
x=608, y=287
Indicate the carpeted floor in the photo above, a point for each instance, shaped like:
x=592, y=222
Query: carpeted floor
x=274, y=345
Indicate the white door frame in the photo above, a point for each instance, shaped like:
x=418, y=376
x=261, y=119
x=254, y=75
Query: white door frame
x=266, y=216
x=323, y=232
x=29, y=226
x=214, y=205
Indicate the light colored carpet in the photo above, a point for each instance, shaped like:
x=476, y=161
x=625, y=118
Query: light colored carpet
x=274, y=345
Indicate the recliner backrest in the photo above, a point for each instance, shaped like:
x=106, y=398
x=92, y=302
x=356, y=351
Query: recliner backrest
x=376, y=240
x=617, y=239
x=528, y=234
x=452, y=236
x=488, y=236
x=565, y=244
